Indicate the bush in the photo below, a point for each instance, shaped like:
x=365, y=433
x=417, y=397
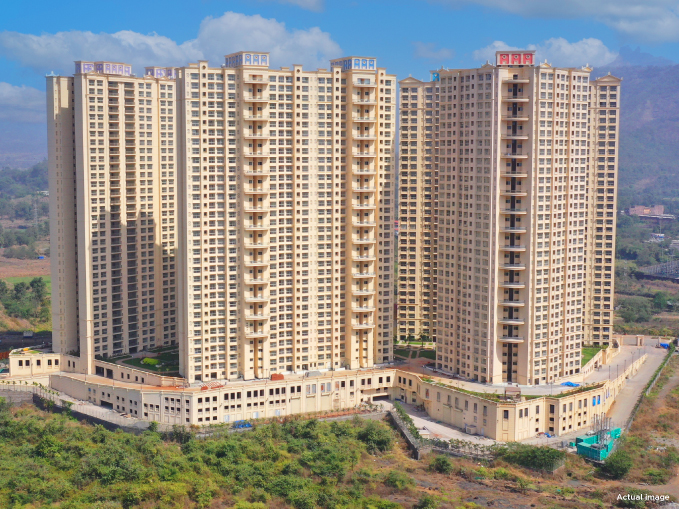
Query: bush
x=426, y=502
x=617, y=465
x=398, y=480
x=529, y=456
x=150, y=361
x=376, y=436
x=442, y=465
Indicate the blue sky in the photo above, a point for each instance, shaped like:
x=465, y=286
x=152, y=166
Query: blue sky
x=407, y=37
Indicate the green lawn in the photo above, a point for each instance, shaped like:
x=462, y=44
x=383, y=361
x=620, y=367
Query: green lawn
x=170, y=361
x=587, y=353
x=402, y=353
x=428, y=354
x=27, y=280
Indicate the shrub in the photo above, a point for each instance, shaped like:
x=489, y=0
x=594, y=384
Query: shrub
x=398, y=480
x=442, y=465
x=655, y=476
x=426, y=502
x=617, y=465
x=529, y=456
x=150, y=361
x=376, y=437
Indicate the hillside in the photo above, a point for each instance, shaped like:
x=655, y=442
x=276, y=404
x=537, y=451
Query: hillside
x=649, y=135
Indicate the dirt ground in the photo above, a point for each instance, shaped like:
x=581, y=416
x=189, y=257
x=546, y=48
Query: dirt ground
x=13, y=267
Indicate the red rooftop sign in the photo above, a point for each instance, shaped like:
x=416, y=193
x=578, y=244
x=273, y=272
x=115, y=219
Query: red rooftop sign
x=515, y=57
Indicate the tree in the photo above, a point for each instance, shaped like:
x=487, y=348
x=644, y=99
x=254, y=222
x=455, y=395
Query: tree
x=376, y=437
x=442, y=465
x=4, y=289
x=660, y=301
x=39, y=288
x=20, y=290
x=617, y=465
x=426, y=502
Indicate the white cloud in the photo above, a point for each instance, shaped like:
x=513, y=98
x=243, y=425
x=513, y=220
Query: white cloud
x=21, y=104
x=427, y=50
x=645, y=20
x=557, y=51
x=216, y=37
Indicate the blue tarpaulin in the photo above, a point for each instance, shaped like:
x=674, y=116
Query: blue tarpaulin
x=664, y=345
x=570, y=384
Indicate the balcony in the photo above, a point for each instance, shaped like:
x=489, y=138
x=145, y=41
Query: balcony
x=252, y=227
x=365, y=101
x=513, y=211
x=519, y=117
x=512, y=247
x=363, y=206
x=256, y=334
x=250, y=316
x=365, y=136
x=363, y=119
x=254, y=79
x=516, y=98
x=255, y=99
x=364, y=241
x=514, y=155
x=255, y=245
x=358, y=222
x=362, y=292
x=513, y=303
x=254, y=281
x=257, y=172
x=363, y=325
x=362, y=274
x=366, y=171
x=256, y=190
x=255, y=154
x=517, y=174
x=511, y=339
x=513, y=266
x=255, y=117
x=372, y=84
x=513, y=229
x=514, y=136
x=363, y=189
x=252, y=208
x=363, y=154
x=516, y=80
x=363, y=309
x=513, y=192
x=255, y=263
x=512, y=321
x=512, y=284
x=368, y=258
x=256, y=298
x=249, y=135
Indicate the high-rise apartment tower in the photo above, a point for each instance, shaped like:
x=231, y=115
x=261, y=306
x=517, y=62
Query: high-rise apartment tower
x=241, y=212
x=507, y=216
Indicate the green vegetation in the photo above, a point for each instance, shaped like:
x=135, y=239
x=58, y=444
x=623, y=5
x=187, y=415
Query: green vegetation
x=15, y=183
x=402, y=352
x=50, y=459
x=528, y=456
x=428, y=354
x=442, y=465
x=20, y=243
x=28, y=279
x=617, y=465
x=407, y=420
x=588, y=352
x=165, y=362
x=28, y=299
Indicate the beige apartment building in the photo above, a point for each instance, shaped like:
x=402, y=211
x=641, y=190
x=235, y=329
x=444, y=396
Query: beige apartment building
x=241, y=212
x=506, y=241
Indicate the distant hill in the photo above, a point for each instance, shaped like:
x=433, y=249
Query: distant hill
x=649, y=131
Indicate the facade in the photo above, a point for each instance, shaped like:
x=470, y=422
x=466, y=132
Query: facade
x=242, y=213
x=166, y=400
x=499, y=180
x=112, y=170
